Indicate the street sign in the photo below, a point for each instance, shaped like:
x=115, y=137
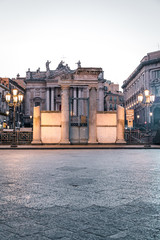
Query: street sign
x=130, y=123
x=130, y=114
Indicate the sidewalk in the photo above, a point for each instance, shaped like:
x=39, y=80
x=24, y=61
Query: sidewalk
x=88, y=146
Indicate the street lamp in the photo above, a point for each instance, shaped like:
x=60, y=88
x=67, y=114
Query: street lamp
x=7, y=117
x=7, y=112
x=14, y=100
x=151, y=114
x=147, y=101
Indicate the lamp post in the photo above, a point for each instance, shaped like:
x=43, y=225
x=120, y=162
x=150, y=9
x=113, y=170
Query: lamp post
x=7, y=117
x=138, y=116
x=146, y=101
x=14, y=100
x=151, y=114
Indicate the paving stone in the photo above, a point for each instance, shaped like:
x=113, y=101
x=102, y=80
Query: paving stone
x=102, y=232
x=5, y=235
x=57, y=233
x=26, y=228
x=80, y=194
x=121, y=234
x=36, y=237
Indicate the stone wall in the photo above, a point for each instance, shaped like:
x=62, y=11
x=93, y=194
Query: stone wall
x=106, y=127
x=109, y=127
x=50, y=127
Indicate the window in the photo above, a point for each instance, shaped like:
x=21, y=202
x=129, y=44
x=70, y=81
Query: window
x=110, y=98
x=115, y=99
x=156, y=74
x=115, y=106
x=110, y=106
x=37, y=104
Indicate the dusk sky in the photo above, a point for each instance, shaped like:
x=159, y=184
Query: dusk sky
x=112, y=34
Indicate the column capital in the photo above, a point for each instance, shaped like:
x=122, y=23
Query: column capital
x=100, y=87
x=65, y=86
x=93, y=86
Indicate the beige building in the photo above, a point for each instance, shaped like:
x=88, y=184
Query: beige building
x=44, y=88
x=112, y=96
x=145, y=76
x=6, y=112
x=69, y=106
x=19, y=84
x=4, y=88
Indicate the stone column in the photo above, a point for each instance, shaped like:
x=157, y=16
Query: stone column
x=36, y=125
x=92, y=115
x=82, y=101
x=65, y=115
x=120, y=125
x=27, y=102
x=101, y=98
x=47, y=99
x=52, y=99
x=79, y=102
x=75, y=102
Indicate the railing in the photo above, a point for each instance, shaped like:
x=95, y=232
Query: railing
x=138, y=137
x=21, y=137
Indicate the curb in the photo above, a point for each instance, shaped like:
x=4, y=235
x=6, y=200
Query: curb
x=77, y=147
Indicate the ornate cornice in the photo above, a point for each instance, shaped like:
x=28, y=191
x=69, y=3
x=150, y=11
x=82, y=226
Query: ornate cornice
x=138, y=69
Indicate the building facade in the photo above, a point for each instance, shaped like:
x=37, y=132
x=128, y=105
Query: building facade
x=44, y=88
x=112, y=96
x=19, y=84
x=4, y=109
x=6, y=112
x=145, y=76
x=71, y=106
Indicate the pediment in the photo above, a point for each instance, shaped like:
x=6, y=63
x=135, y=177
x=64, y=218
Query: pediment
x=156, y=81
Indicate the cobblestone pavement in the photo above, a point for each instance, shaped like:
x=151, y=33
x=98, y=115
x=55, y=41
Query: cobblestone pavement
x=80, y=195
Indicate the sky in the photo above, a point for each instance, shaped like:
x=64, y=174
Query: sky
x=112, y=34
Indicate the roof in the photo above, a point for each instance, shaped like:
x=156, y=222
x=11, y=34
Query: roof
x=20, y=82
x=4, y=81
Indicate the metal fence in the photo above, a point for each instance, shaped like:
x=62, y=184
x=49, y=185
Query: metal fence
x=138, y=137
x=22, y=138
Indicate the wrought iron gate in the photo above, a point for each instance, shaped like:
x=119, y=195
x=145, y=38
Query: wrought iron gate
x=78, y=120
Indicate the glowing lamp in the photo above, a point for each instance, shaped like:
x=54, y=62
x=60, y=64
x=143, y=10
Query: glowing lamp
x=147, y=99
x=152, y=98
x=8, y=97
x=140, y=97
x=15, y=92
x=146, y=93
x=20, y=97
x=15, y=99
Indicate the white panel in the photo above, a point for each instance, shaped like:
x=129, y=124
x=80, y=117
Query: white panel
x=106, y=134
x=50, y=134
